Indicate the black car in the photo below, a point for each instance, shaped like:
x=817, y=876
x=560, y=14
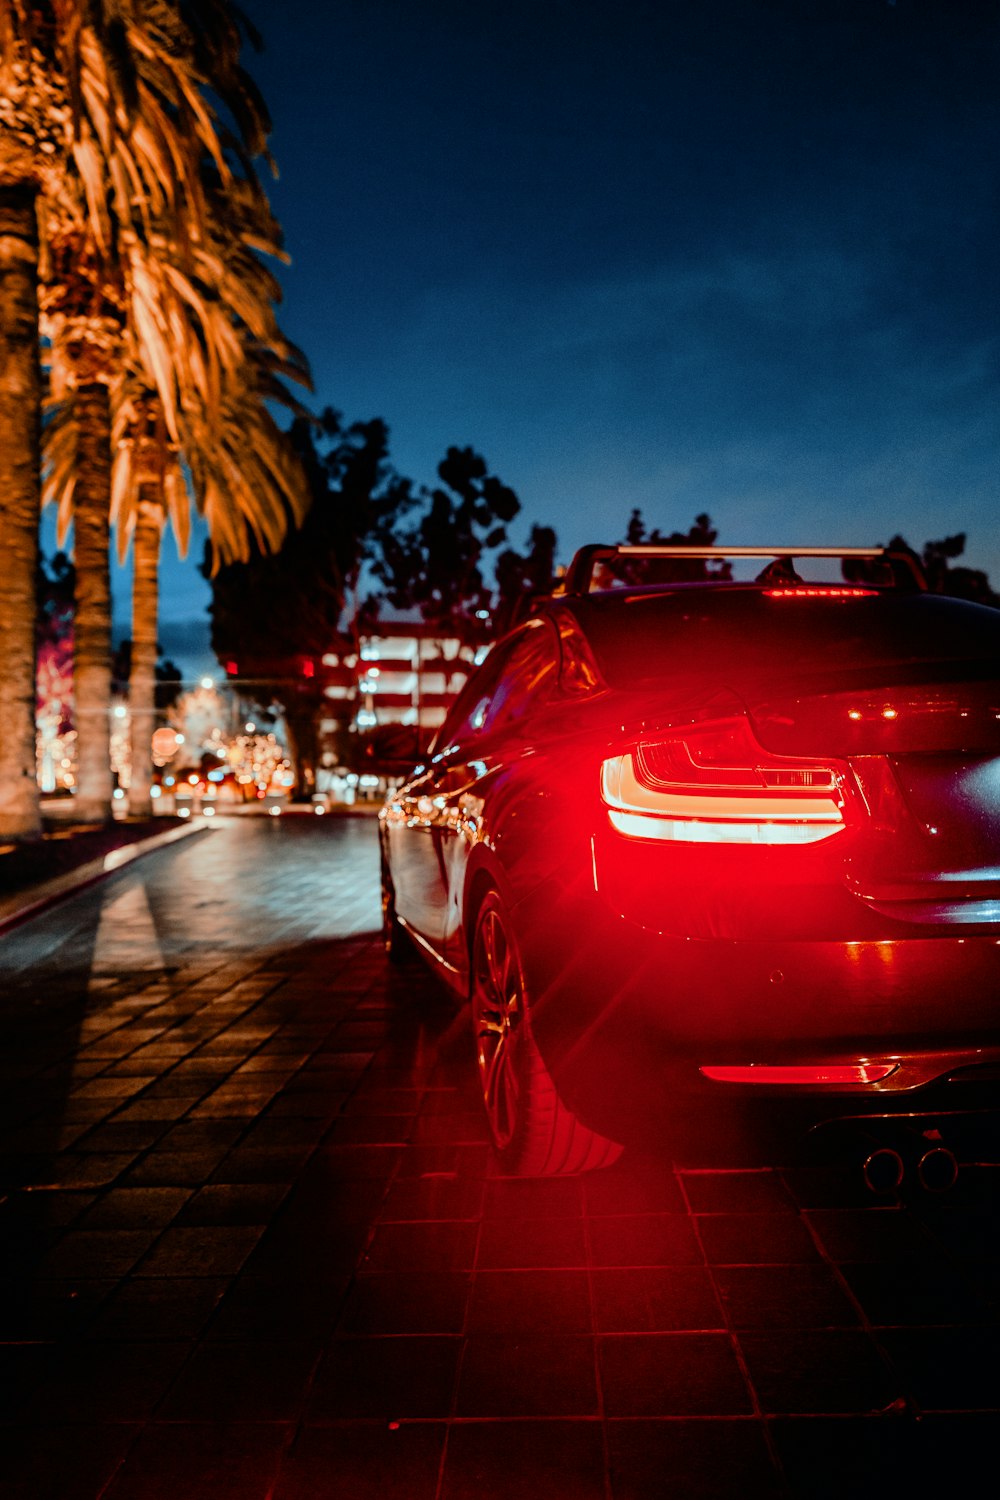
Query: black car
x=685, y=836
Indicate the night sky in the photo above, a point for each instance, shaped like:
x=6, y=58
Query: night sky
x=727, y=255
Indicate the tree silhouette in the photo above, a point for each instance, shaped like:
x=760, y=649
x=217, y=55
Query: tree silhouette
x=522, y=579
x=168, y=676
x=934, y=562
x=637, y=571
x=961, y=582
x=436, y=566
x=275, y=616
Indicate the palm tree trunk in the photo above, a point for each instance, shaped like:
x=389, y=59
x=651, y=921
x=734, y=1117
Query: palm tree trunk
x=92, y=622
x=142, y=676
x=20, y=397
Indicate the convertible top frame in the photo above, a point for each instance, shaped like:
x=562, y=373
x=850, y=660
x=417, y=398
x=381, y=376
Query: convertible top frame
x=580, y=573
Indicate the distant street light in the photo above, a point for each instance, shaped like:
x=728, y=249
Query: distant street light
x=207, y=682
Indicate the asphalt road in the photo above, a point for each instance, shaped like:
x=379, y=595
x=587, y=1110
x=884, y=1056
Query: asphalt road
x=256, y=1246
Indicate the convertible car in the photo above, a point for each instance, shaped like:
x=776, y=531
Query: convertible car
x=682, y=834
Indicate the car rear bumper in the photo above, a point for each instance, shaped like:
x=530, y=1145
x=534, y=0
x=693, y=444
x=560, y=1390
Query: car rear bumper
x=619, y=1009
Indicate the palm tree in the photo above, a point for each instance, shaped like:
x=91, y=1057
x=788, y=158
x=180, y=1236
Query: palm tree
x=20, y=389
x=228, y=356
x=83, y=312
x=157, y=479
x=201, y=355
x=103, y=115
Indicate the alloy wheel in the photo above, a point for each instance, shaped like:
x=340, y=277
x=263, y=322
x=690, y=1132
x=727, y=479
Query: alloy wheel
x=497, y=1003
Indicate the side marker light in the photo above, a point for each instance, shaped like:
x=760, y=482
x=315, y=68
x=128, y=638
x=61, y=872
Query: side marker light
x=798, y=1073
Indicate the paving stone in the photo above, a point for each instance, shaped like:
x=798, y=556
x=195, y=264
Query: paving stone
x=233, y=1203
x=524, y=1460
x=258, y=1307
x=643, y=1240
x=509, y=1244
x=736, y=1192
x=175, y=1168
x=170, y=1307
x=422, y=1247
x=946, y=1369
x=634, y=1185
x=235, y=1461
x=655, y=1299
x=97, y=1252
x=830, y=1370
x=244, y=1382
x=826, y=1458
x=533, y=1198
x=391, y=1378
x=530, y=1302
x=362, y=1459
x=44, y=1311
x=108, y=1382
x=407, y=1302
x=136, y=1208
x=701, y=1460
x=772, y=1238
x=672, y=1374
x=203, y=1250
x=433, y=1198
x=784, y=1297
x=521, y=1376
x=918, y=1294
x=63, y=1461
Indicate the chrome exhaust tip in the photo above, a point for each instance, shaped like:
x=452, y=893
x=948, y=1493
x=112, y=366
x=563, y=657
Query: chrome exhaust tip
x=937, y=1170
x=883, y=1170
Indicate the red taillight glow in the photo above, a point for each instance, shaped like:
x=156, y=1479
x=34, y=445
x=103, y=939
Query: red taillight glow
x=799, y=591
x=702, y=831
x=713, y=783
x=799, y=1073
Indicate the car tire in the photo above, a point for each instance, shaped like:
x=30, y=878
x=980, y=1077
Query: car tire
x=395, y=941
x=534, y=1133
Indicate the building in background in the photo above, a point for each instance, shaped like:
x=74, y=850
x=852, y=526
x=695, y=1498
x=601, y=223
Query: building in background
x=408, y=673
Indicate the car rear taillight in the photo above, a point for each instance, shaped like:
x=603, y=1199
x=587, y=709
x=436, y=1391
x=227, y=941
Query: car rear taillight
x=713, y=783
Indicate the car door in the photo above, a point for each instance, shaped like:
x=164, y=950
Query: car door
x=444, y=806
x=528, y=676
x=422, y=808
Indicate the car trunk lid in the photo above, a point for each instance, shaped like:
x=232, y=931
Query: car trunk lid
x=925, y=755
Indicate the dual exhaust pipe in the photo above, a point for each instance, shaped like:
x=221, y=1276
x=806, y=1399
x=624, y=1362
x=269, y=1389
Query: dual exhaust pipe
x=885, y=1168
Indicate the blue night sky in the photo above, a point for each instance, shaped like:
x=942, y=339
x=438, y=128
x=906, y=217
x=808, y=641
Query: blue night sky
x=725, y=255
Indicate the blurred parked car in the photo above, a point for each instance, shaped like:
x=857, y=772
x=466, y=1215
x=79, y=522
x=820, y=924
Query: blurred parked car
x=700, y=837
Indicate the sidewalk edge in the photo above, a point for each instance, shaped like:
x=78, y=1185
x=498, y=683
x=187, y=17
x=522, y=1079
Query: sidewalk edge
x=22, y=906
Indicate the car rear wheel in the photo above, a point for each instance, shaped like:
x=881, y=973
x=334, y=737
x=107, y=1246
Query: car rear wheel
x=398, y=947
x=534, y=1133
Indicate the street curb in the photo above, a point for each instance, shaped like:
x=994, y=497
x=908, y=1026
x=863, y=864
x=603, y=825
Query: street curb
x=24, y=905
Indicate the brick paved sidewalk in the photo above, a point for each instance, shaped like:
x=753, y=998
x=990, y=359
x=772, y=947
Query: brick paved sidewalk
x=257, y=1246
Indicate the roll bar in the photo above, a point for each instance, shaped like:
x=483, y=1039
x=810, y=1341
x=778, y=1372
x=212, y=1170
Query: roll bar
x=579, y=575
